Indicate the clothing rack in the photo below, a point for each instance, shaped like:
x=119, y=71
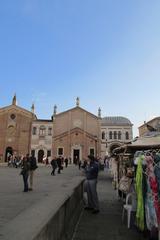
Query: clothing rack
x=151, y=153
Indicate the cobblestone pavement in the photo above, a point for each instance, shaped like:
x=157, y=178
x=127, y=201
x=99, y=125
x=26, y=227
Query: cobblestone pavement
x=107, y=225
x=12, y=198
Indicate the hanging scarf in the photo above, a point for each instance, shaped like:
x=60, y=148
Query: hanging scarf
x=150, y=213
x=153, y=185
x=139, y=191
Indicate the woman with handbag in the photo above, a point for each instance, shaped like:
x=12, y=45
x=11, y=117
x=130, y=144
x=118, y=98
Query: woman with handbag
x=33, y=167
x=25, y=172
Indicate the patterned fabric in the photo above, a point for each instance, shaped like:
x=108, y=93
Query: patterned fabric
x=157, y=173
x=153, y=185
x=139, y=191
x=150, y=213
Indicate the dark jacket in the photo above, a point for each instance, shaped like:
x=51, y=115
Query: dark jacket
x=59, y=162
x=54, y=163
x=33, y=163
x=25, y=167
x=92, y=170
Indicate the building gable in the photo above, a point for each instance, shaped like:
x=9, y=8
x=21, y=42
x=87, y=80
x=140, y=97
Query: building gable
x=18, y=110
x=77, y=109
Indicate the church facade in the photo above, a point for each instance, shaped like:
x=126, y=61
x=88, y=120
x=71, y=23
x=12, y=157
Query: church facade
x=15, y=130
x=75, y=133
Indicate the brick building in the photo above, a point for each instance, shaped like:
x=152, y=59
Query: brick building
x=74, y=133
x=150, y=126
x=15, y=129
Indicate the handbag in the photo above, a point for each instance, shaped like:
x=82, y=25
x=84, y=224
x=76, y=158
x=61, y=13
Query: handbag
x=35, y=167
x=22, y=172
x=124, y=184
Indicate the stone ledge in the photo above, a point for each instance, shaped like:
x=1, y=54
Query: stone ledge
x=52, y=218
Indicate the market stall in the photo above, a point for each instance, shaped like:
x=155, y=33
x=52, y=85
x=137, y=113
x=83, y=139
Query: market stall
x=143, y=156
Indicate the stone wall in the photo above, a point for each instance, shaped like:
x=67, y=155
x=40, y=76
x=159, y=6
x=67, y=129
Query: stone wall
x=53, y=218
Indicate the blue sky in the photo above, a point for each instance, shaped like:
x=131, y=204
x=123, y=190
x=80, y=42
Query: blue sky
x=107, y=52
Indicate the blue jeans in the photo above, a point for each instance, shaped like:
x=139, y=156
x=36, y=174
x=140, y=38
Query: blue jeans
x=91, y=188
x=25, y=181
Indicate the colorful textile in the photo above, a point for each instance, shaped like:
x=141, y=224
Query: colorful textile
x=150, y=213
x=157, y=173
x=153, y=185
x=139, y=191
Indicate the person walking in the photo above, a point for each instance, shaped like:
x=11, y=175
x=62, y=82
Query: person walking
x=91, y=171
x=59, y=163
x=66, y=162
x=25, y=172
x=54, y=166
x=70, y=160
x=79, y=164
x=47, y=161
x=33, y=167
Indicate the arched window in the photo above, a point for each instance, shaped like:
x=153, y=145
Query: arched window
x=119, y=135
x=110, y=135
x=34, y=131
x=42, y=130
x=127, y=135
x=50, y=131
x=91, y=151
x=103, y=135
x=60, y=151
x=115, y=135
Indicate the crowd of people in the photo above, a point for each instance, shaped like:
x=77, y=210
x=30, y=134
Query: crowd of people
x=14, y=161
x=90, y=167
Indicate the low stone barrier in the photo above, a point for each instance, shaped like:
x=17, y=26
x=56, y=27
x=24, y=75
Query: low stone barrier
x=54, y=218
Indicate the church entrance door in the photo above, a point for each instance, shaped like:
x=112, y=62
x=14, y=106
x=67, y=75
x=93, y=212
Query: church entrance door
x=9, y=151
x=40, y=155
x=76, y=156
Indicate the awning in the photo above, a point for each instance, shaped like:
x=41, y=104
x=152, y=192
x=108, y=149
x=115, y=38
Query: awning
x=141, y=143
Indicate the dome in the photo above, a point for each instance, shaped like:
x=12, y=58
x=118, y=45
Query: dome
x=118, y=121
